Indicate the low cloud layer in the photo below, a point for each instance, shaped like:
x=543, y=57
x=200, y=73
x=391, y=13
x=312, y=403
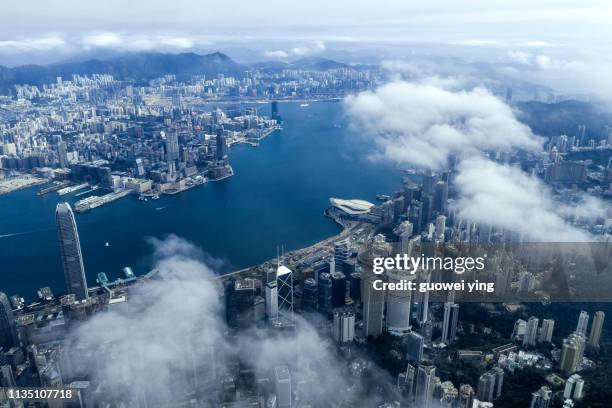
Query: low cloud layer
x=423, y=124
x=172, y=339
x=299, y=51
x=509, y=198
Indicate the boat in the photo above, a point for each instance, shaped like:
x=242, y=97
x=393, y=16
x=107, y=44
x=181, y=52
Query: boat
x=304, y=105
x=106, y=244
x=159, y=208
x=382, y=197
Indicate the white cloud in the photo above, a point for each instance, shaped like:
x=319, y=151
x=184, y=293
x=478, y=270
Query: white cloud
x=278, y=54
x=172, y=338
x=301, y=51
x=102, y=40
x=508, y=198
x=32, y=44
x=423, y=124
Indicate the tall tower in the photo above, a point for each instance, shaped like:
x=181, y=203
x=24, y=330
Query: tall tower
x=221, y=145
x=8, y=332
x=531, y=331
x=425, y=385
x=583, y=323
x=70, y=250
x=284, y=279
x=449, y=325
x=547, y=330
x=398, y=303
x=596, y=328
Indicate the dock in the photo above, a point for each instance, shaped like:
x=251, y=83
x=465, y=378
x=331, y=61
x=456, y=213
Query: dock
x=92, y=202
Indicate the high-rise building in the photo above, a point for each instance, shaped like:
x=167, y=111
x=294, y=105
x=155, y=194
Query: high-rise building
x=284, y=279
x=344, y=326
x=398, y=302
x=373, y=306
x=583, y=323
x=325, y=294
x=541, y=398
x=239, y=301
x=8, y=331
x=531, y=331
x=449, y=325
x=271, y=290
x=596, y=329
x=221, y=145
x=414, y=347
x=486, y=387
x=404, y=232
x=573, y=387
x=62, y=153
x=440, y=227
x=172, y=146
x=406, y=383
x=70, y=250
x=310, y=299
x=572, y=352
x=424, y=390
x=338, y=289
x=498, y=372
x=466, y=396
x=546, y=331
x=355, y=287
x=282, y=386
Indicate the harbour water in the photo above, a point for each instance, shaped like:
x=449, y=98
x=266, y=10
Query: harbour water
x=277, y=197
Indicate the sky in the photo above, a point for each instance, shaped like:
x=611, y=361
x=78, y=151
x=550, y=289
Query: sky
x=39, y=29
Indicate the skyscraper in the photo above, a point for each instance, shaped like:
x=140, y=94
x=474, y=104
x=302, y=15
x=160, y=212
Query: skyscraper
x=8, y=332
x=583, y=323
x=282, y=385
x=547, y=330
x=343, y=326
x=486, y=387
x=398, y=302
x=449, y=326
x=425, y=385
x=221, y=145
x=541, y=398
x=573, y=387
x=284, y=278
x=466, y=396
x=596, y=328
x=414, y=347
x=531, y=331
x=70, y=250
x=271, y=299
x=172, y=146
x=572, y=352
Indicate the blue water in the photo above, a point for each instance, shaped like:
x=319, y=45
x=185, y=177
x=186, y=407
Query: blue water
x=277, y=197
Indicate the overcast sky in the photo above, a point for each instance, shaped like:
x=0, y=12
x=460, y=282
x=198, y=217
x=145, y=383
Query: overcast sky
x=549, y=41
x=41, y=24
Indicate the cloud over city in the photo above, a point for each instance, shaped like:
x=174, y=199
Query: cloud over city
x=172, y=337
x=423, y=124
x=426, y=123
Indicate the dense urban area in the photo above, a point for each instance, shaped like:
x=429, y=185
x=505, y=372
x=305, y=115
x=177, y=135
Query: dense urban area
x=109, y=138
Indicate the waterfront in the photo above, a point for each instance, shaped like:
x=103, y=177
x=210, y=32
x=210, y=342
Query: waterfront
x=277, y=197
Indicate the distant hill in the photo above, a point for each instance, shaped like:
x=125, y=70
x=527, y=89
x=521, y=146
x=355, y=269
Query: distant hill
x=142, y=67
x=318, y=64
x=138, y=67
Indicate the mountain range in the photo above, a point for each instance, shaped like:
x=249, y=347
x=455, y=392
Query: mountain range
x=142, y=67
